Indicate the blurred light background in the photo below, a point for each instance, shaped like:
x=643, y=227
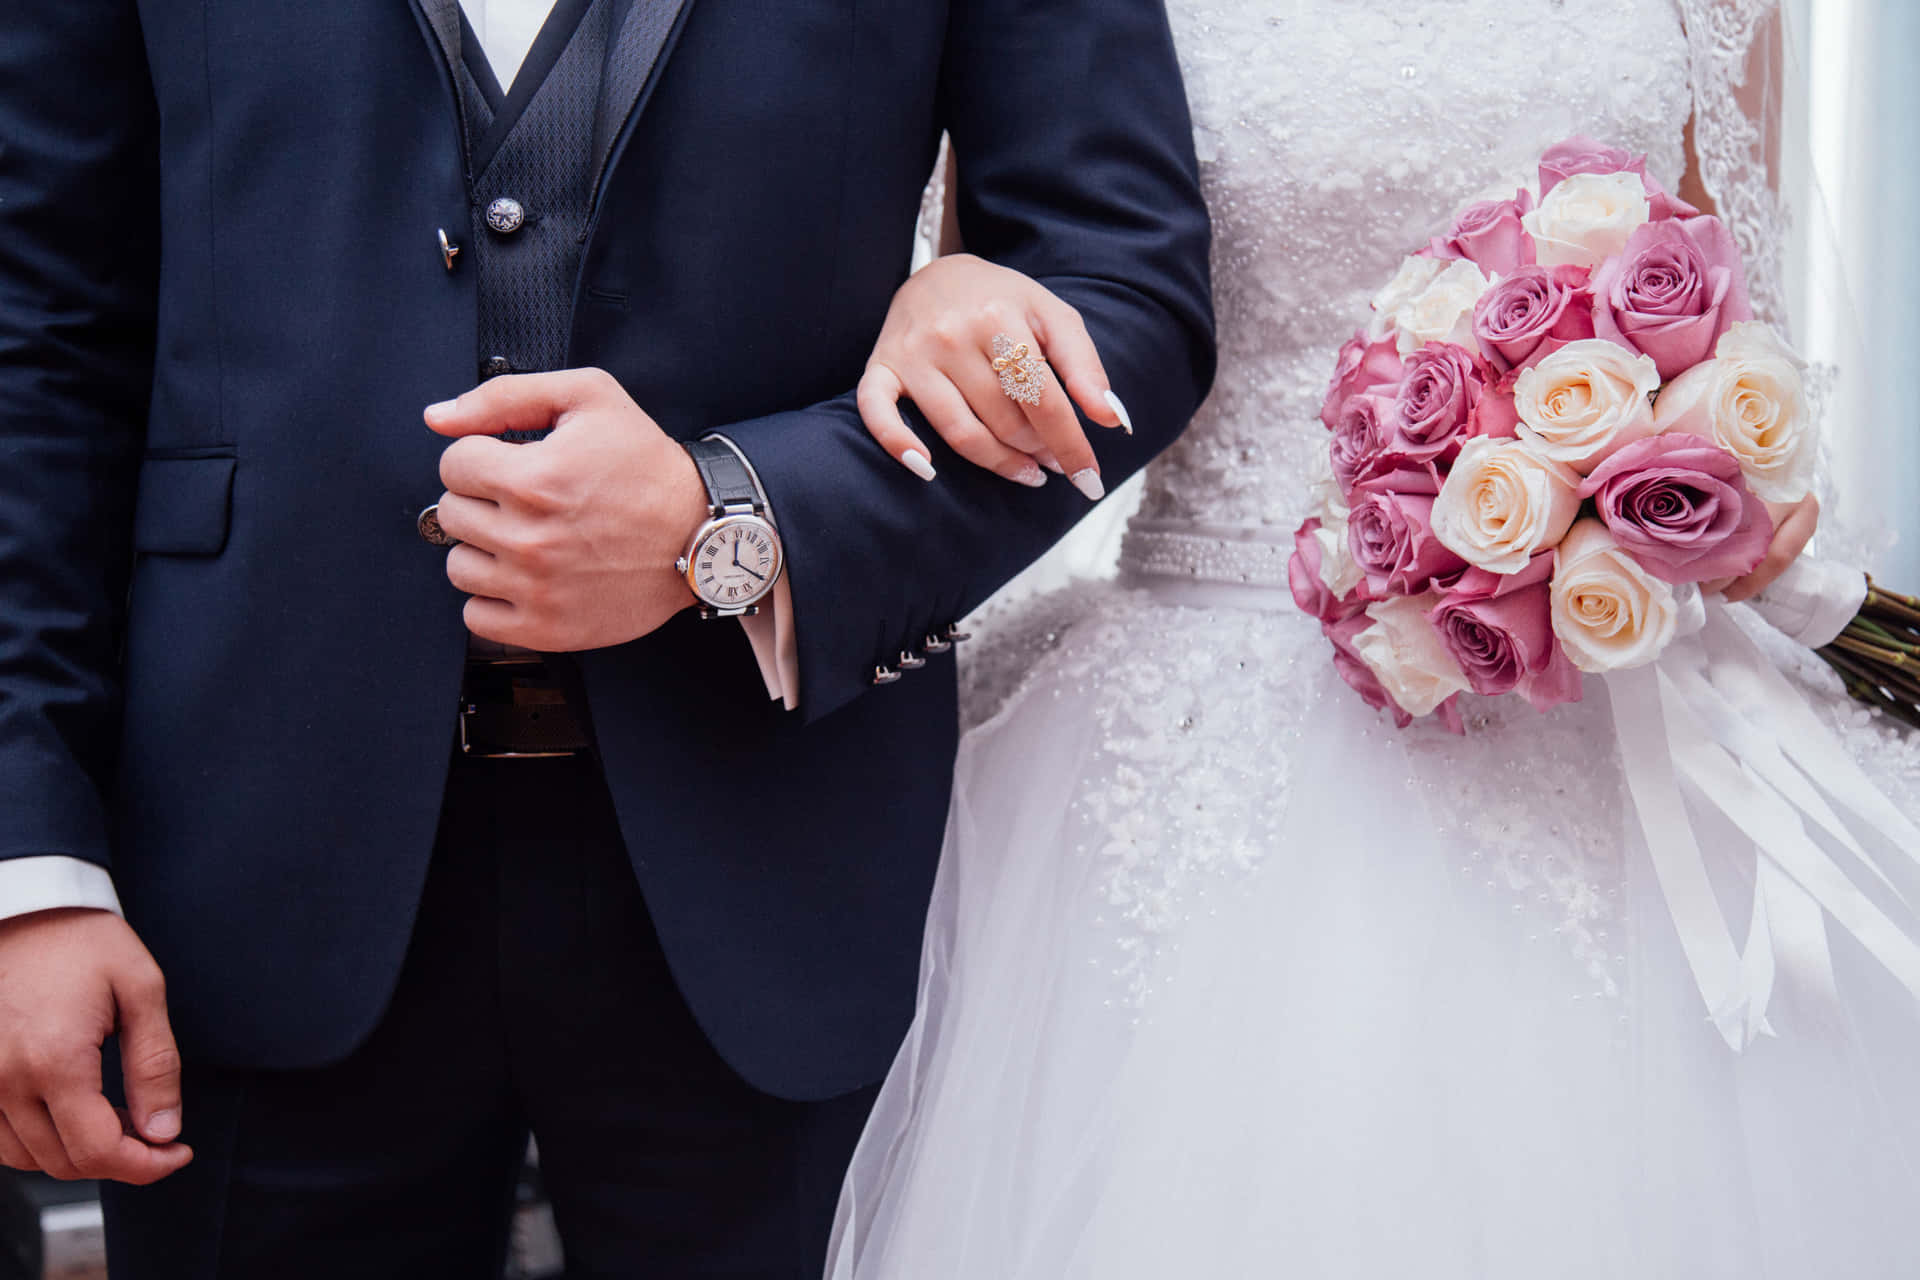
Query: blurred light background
x=1857, y=231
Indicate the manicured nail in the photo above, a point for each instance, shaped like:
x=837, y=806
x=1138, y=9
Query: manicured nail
x=1029, y=475
x=441, y=410
x=163, y=1126
x=916, y=462
x=1050, y=462
x=1126, y=419
x=1088, y=482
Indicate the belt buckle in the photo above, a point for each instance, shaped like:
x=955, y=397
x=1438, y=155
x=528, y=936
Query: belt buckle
x=470, y=708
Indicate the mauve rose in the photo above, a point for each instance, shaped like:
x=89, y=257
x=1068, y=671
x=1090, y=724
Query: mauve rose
x=1679, y=505
x=1489, y=235
x=1360, y=436
x=1390, y=534
x=1435, y=403
x=1581, y=154
x=1531, y=314
x=1672, y=292
x=1362, y=366
x=1499, y=628
x=1354, y=670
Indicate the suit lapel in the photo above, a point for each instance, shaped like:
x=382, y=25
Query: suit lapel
x=647, y=34
x=443, y=20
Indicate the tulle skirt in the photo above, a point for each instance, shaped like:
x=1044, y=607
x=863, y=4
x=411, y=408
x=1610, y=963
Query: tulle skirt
x=1226, y=977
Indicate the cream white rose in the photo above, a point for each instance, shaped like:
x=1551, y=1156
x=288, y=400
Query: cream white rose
x=1751, y=400
x=1338, y=569
x=1586, y=402
x=1408, y=656
x=1609, y=613
x=1415, y=274
x=1502, y=503
x=1587, y=219
x=1443, y=311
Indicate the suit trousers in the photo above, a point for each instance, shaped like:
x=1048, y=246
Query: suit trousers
x=534, y=998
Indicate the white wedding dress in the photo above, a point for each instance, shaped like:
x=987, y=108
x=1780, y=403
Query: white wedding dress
x=1226, y=977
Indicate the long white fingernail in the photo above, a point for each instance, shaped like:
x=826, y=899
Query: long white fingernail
x=1050, y=462
x=442, y=409
x=1088, y=482
x=916, y=462
x=1126, y=419
x=1030, y=475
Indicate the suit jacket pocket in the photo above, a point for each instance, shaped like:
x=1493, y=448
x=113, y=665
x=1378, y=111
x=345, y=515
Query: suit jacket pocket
x=183, y=505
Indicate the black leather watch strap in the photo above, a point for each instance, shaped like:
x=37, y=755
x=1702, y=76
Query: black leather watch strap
x=730, y=485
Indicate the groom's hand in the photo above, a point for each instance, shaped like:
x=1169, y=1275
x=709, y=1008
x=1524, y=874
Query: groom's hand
x=567, y=543
x=69, y=979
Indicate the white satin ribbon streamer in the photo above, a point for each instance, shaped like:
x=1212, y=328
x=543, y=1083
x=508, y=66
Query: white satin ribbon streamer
x=1813, y=601
x=1713, y=721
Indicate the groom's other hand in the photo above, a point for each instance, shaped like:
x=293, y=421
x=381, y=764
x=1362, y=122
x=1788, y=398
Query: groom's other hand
x=567, y=543
x=68, y=980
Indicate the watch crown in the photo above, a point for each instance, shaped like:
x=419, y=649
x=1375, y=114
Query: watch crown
x=680, y=565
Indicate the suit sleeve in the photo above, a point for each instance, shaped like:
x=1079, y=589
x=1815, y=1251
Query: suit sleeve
x=78, y=260
x=1077, y=168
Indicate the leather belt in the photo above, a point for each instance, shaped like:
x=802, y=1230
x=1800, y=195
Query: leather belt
x=514, y=708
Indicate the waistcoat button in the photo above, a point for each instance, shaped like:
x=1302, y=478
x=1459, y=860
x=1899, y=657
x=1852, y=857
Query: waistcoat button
x=506, y=215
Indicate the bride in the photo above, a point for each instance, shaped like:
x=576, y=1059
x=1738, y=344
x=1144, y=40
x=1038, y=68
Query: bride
x=1225, y=976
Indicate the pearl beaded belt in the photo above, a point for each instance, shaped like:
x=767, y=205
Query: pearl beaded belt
x=1239, y=555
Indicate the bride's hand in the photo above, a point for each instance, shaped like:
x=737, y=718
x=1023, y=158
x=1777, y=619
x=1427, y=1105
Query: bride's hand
x=1793, y=526
x=936, y=350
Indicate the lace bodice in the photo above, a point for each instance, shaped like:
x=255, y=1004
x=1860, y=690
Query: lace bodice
x=1335, y=136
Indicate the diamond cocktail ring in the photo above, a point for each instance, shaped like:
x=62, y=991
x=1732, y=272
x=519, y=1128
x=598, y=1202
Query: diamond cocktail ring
x=1022, y=373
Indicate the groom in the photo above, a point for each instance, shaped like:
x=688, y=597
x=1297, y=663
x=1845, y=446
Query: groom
x=665, y=922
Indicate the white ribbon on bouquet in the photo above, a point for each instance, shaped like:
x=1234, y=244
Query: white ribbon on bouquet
x=1714, y=721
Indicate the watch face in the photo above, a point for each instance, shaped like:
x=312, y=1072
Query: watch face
x=735, y=562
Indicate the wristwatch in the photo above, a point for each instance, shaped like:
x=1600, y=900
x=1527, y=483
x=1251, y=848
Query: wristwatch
x=735, y=556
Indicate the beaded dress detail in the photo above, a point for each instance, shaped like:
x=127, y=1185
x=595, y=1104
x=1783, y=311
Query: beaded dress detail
x=1226, y=977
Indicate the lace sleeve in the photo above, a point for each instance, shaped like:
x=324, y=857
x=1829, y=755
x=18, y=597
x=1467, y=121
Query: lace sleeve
x=1732, y=119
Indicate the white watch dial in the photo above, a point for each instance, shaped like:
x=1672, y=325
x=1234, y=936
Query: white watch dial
x=734, y=564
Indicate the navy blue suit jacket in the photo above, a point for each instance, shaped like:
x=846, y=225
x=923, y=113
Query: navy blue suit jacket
x=228, y=664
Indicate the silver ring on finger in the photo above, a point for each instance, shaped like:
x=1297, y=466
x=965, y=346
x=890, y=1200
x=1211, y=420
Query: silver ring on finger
x=1023, y=376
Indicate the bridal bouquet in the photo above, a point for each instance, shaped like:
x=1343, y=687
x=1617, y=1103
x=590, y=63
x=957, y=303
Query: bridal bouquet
x=1560, y=420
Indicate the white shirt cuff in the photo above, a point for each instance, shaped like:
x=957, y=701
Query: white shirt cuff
x=51, y=881
x=770, y=632
x=776, y=648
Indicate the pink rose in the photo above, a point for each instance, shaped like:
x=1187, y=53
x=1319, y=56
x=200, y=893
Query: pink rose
x=1496, y=416
x=1435, y=403
x=1489, y=235
x=1580, y=154
x=1309, y=587
x=1354, y=670
x=1390, y=535
x=1360, y=437
x=1678, y=505
x=1532, y=313
x=1672, y=292
x=1499, y=628
x=1362, y=366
